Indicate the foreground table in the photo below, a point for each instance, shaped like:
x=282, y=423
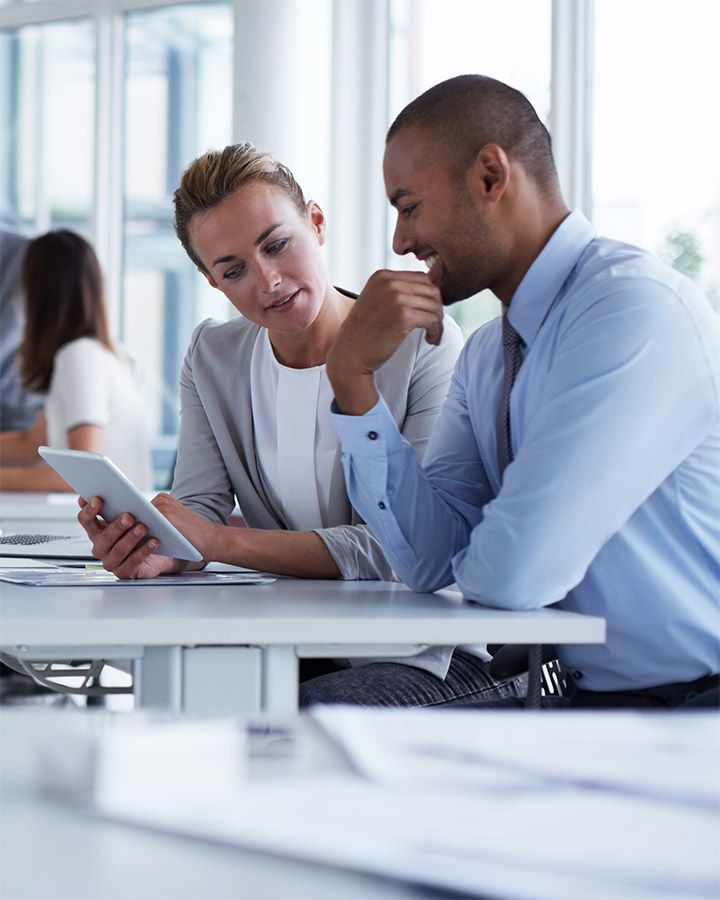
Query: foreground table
x=230, y=649
x=52, y=849
x=229, y=807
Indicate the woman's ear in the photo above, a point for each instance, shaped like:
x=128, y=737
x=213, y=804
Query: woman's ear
x=489, y=174
x=317, y=221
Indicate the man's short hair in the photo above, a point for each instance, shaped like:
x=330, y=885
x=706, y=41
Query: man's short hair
x=469, y=111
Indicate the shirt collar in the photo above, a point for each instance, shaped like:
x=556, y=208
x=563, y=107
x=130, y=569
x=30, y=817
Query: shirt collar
x=544, y=279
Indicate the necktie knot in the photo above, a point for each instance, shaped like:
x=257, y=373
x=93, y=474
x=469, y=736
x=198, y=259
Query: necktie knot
x=511, y=340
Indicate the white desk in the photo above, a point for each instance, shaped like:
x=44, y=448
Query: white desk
x=38, y=507
x=52, y=850
x=233, y=649
x=625, y=796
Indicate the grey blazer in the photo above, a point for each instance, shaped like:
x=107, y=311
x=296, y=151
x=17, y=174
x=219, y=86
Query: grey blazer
x=217, y=460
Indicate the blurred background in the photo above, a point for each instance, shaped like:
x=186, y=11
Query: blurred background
x=104, y=102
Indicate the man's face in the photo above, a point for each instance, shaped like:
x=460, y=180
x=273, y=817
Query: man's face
x=437, y=219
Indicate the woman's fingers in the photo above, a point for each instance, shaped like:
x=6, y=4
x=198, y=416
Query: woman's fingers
x=131, y=566
x=88, y=516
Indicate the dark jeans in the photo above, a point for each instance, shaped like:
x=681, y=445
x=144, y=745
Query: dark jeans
x=467, y=682
x=663, y=696
x=704, y=693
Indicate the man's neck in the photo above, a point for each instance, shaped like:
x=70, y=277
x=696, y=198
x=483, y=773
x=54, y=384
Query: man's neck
x=535, y=227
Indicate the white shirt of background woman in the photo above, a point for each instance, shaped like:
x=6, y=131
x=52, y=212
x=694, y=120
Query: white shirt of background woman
x=297, y=445
x=90, y=385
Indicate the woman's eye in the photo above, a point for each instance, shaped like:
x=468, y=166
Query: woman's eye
x=234, y=273
x=277, y=246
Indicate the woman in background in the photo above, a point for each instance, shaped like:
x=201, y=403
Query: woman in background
x=91, y=398
x=255, y=422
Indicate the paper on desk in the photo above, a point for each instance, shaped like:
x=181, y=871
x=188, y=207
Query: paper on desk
x=17, y=562
x=624, y=751
x=171, y=761
x=561, y=844
x=62, y=576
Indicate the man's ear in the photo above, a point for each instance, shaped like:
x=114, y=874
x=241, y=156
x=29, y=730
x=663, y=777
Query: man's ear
x=489, y=174
x=208, y=277
x=317, y=221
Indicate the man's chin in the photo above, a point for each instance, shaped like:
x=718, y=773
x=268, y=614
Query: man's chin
x=453, y=293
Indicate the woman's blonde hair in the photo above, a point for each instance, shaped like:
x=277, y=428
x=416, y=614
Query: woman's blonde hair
x=218, y=174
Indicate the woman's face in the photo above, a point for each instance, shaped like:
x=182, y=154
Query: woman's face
x=265, y=256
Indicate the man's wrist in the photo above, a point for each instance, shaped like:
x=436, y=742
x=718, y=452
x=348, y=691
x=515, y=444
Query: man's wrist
x=355, y=395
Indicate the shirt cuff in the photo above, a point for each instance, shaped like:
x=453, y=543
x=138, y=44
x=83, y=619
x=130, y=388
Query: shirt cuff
x=373, y=434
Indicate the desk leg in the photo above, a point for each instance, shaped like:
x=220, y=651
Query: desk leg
x=157, y=679
x=280, y=680
x=199, y=680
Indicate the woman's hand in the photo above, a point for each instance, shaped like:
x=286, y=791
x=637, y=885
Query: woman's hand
x=122, y=545
x=197, y=530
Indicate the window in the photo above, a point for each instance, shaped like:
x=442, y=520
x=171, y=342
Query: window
x=432, y=41
x=178, y=103
x=47, y=112
x=657, y=132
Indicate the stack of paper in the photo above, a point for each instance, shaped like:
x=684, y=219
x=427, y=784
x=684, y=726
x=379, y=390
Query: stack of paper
x=516, y=805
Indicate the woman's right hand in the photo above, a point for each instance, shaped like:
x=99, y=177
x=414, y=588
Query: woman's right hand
x=122, y=545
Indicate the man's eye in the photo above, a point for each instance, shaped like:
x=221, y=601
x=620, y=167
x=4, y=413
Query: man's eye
x=277, y=246
x=407, y=211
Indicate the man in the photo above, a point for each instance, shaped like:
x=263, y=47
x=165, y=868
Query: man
x=587, y=478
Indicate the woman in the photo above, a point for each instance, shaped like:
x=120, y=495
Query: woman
x=91, y=399
x=255, y=399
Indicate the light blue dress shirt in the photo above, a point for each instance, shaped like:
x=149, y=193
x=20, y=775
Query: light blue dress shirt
x=611, y=506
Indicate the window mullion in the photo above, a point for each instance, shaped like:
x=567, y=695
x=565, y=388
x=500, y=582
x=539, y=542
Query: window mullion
x=571, y=104
x=107, y=210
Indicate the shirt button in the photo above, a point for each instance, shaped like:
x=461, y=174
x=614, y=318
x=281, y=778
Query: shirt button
x=577, y=675
x=381, y=505
x=372, y=435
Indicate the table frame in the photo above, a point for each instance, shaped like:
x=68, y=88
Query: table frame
x=235, y=649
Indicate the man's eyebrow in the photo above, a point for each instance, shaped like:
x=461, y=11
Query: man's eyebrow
x=398, y=195
x=260, y=238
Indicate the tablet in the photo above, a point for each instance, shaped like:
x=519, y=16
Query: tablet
x=94, y=475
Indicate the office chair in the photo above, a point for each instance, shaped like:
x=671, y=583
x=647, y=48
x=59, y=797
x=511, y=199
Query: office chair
x=546, y=677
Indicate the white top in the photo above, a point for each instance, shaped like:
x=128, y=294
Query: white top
x=298, y=452
x=91, y=385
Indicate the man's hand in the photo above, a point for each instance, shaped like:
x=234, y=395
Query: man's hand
x=391, y=305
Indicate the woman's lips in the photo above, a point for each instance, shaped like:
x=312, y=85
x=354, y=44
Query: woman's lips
x=284, y=303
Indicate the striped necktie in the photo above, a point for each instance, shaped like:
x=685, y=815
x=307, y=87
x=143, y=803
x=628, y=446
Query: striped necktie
x=512, y=346
x=516, y=656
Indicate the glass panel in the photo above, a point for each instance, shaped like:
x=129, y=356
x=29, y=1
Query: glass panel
x=656, y=137
x=432, y=41
x=178, y=103
x=47, y=113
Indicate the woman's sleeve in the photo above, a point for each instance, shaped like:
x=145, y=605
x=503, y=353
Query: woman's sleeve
x=356, y=552
x=201, y=481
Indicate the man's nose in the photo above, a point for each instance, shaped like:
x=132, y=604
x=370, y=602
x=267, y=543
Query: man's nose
x=401, y=242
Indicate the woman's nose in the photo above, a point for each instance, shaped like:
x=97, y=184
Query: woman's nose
x=268, y=277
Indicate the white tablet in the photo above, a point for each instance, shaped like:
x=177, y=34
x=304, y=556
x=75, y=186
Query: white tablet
x=94, y=475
